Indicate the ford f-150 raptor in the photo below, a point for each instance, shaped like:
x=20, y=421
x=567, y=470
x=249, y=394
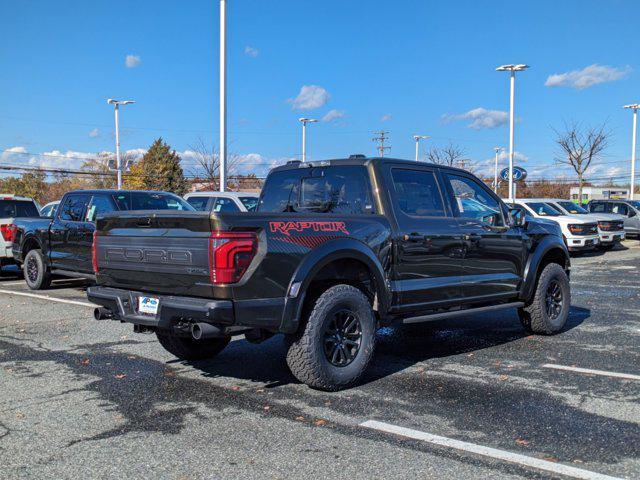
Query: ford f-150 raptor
x=335, y=250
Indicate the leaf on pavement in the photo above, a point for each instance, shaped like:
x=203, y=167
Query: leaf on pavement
x=120, y=375
x=320, y=422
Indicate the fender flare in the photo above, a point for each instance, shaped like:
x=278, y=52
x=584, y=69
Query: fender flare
x=532, y=267
x=343, y=248
x=28, y=238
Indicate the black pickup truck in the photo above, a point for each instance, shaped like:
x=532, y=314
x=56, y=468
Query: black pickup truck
x=336, y=250
x=62, y=245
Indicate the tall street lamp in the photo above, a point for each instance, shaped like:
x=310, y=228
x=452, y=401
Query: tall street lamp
x=634, y=107
x=223, y=94
x=417, y=138
x=116, y=104
x=513, y=69
x=495, y=170
x=304, y=122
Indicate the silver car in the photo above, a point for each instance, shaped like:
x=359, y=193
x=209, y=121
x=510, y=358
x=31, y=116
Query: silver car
x=629, y=209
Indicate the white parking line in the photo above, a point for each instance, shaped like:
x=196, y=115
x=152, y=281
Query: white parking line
x=604, y=373
x=4, y=284
x=503, y=455
x=47, y=297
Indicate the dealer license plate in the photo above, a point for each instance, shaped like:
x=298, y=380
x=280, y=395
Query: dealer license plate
x=148, y=305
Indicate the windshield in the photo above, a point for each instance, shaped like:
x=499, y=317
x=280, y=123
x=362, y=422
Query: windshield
x=250, y=203
x=150, y=201
x=17, y=208
x=544, y=209
x=572, y=208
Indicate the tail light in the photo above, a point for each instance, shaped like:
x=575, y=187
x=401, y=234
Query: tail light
x=230, y=254
x=94, y=252
x=8, y=232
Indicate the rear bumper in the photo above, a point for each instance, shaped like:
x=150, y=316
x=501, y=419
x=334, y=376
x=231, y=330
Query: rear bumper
x=123, y=306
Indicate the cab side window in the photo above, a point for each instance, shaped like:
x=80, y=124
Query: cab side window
x=620, y=209
x=225, y=205
x=597, y=207
x=99, y=204
x=73, y=208
x=473, y=200
x=417, y=193
x=199, y=203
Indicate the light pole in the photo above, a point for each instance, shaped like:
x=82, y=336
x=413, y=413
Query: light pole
x=304, y=122
x=116, y=104
x=495, y=170
x=417, y=138
x=223, y=93
x=513, y=69
x=634, y=107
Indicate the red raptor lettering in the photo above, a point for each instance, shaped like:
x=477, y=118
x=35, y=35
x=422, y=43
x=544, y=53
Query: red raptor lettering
x=287, y=227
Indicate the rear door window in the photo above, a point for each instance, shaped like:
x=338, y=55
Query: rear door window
x=597, y=207
x=73, y=208
x=250, y=203
x=225, y=205
x=620, y=209
x=199, y=203
x=417, y=193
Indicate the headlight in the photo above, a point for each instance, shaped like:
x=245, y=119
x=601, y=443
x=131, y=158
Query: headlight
x=576, y=229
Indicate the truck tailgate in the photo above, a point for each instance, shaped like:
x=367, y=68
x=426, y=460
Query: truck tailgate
x=163, y=252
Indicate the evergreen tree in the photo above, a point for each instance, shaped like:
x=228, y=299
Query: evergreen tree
x=158, y=169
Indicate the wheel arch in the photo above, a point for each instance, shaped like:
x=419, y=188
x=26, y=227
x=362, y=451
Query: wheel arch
x=337, y=261
x=548, y=251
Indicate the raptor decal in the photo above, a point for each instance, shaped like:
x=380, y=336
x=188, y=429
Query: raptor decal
x=286, y=228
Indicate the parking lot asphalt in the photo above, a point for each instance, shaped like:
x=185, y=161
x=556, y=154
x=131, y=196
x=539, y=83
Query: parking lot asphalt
x=474, y=397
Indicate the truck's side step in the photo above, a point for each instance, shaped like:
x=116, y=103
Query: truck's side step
x=457, y=313
x=72, y=274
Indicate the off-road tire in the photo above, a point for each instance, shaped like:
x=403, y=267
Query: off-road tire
x=189, y=349
x=36, y=273
x=306, y=355
x=534, y=316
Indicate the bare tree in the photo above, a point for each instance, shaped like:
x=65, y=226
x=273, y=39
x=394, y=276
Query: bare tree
x=208, y=164
x=451, y=155
x=580, y=146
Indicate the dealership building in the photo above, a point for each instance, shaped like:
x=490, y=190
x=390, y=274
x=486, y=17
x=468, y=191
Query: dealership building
x=599, y=193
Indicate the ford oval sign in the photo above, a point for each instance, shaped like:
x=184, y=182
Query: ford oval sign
x=519, y=174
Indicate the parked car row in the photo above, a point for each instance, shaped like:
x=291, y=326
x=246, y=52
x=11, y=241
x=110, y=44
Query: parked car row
x=582, y=230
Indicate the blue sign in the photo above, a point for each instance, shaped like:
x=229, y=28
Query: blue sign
x=519, y=174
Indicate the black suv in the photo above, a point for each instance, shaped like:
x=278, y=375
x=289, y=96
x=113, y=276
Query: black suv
x=336, y=250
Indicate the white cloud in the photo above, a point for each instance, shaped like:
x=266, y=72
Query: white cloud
x=310, y=97
x=251, y=51
x=132, y=61
x=587, y=77
x=481, y=118
x=94, y=133
x=333, y=115
x=386, y=117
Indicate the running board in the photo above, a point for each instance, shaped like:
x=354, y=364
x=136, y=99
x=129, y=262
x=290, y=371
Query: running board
x=72, y=274
x=457, y=313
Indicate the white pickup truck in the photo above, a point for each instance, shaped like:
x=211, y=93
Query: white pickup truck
x=12, y=206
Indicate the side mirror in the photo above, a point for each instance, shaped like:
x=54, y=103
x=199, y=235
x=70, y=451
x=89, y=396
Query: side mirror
x=518, y=217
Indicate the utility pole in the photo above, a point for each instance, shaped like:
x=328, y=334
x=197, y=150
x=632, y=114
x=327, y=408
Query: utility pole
x=223, y=94
x=417, y=138
x=116, y=104
x=495, y=171
x=512, y=69
x=381, y=138
x=633, y=107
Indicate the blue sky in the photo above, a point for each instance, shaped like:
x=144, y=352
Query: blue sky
x=405, y=67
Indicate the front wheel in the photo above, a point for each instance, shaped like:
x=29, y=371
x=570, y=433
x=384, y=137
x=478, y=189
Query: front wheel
x=548, y=310
x=334, y=346
x=36, y=273
x=190, y=349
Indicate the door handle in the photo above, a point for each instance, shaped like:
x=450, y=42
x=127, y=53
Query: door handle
x=414, y=237
x=471, y=237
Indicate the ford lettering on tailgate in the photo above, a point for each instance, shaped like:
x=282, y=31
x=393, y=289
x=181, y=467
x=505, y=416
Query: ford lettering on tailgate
x=148, y=255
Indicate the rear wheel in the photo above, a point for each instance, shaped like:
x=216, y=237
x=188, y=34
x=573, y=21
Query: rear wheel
x=334, y=347
x=548, y=310
x=36, y=273
x=189, y=349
